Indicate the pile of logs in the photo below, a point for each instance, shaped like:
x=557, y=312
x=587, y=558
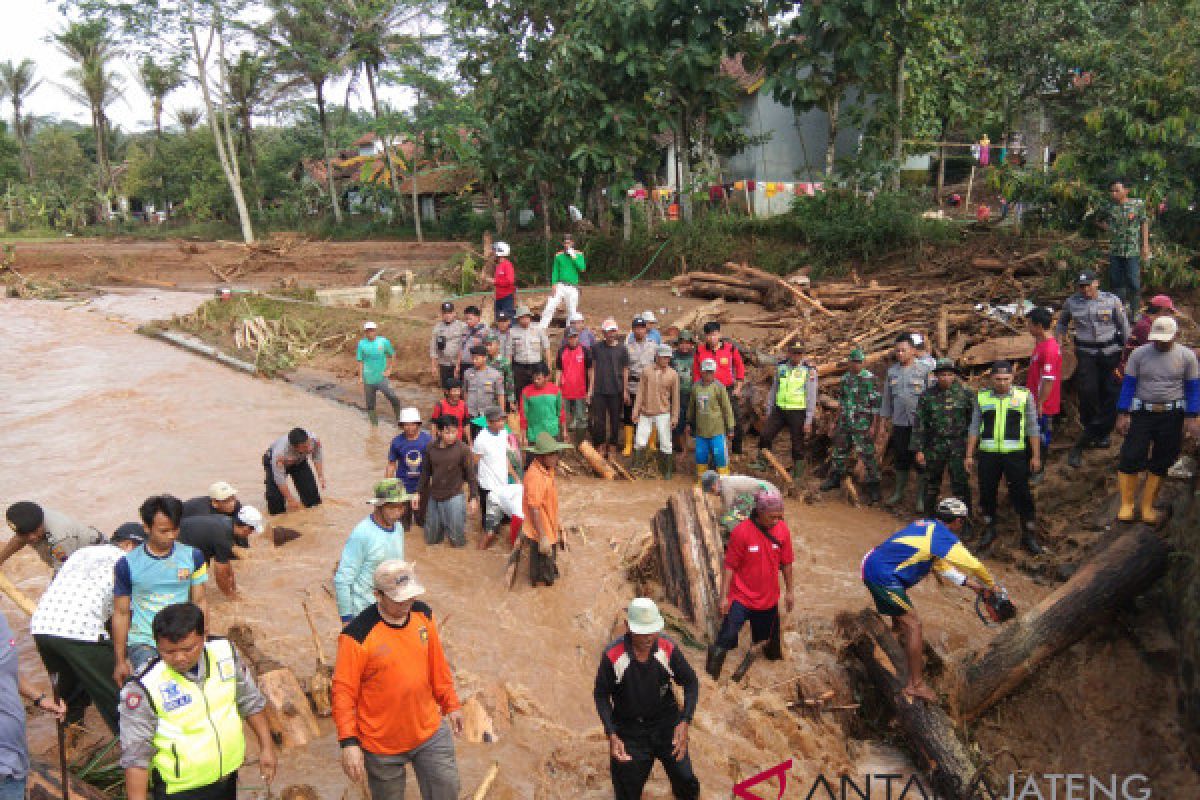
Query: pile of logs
x=688, y=553
x=747, y=284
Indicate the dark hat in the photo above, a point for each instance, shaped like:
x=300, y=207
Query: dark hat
x=472, y=310
x=711, y=326
x=452, y=383
x=639, y=322
x=504, y=315
x=447, y=306
x=795, y=347
x=1085, y=277
x=479, y=350
x=1002, y=368
x=946, y=365
x=904, y=337
x=686, y=336
x=857, y=354
x=129, y=532
x=572, y=332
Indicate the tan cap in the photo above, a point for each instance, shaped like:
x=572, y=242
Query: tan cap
x=221, y=491
x=397, y=580
x=1163, y=329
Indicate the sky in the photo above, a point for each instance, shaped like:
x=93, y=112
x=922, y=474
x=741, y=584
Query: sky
x=25, y=30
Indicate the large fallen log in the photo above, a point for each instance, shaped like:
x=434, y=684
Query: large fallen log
x=596, y=461
x=1008, y=348
x=939, y=750
x=689, y=553
x=1107, y=581
x=713, y=310
x=722, y=290
x=795, y=292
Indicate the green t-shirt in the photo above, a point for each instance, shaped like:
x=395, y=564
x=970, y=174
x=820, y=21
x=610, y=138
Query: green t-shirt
x=567, y=269
x=374, y=356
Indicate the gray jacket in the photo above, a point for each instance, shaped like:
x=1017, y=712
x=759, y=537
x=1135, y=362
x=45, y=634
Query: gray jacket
x=1100, y=324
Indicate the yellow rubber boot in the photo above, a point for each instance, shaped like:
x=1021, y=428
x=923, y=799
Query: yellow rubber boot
x=700, y=470
x=1128, y=485
x=722, y=470
x=1149, y=495
x=628, y=451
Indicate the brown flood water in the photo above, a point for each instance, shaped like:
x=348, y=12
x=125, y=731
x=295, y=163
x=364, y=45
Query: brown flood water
x=97, y=417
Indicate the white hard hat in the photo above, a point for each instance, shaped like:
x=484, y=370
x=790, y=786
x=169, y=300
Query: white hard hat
x=649, y=316
x=575, y=317
x=409, y=414
x=369, y=326
x=502, y=249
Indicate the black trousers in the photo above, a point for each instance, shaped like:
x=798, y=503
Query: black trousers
x=900, y=442
x=646, y=744
x=445, y=373
x=224, y=789
x=84, y=671
x=776, y=420
x=606, y=418
x=735, y=404
x=304, y=480
x=1014, y=467
x=522, y=377
x=1153, y=443
x=1097, y=389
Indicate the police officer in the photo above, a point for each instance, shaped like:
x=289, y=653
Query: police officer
x=856, y=425
x=1160, y=390
x=939, y=437
x=1005, y=432
x=181, y=717
x=792, y=402
x=528, y=346
x=906, y=380
x=1101, y=328
x=445, y=345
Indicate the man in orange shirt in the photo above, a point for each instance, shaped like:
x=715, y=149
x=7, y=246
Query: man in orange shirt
x=394, y=702
x=541, y=508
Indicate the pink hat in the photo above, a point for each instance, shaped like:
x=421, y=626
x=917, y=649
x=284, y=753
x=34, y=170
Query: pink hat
x=609, y=324
x=768, y=501
x=1162, y=301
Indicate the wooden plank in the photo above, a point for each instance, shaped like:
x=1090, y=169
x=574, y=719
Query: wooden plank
x=596, y=461
x=288, y=712
x=692, y=560
x=16, y=595
x=784, y=475
x=1008, y=348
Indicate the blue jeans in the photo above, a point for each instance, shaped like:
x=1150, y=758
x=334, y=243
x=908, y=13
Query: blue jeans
x=12, y=788
x=1124, y=278
x=447, y=519
x=711, y=448
x=508, y=304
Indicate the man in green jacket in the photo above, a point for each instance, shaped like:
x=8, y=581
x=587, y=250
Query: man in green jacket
x=569, y=265
x=710, y=417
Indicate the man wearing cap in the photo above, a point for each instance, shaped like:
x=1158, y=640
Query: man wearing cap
x=710, y=420
x=221, y=499
x=1101, y=328
x=610, y=389
x=1044, y=379
x=497, y=361
x=906, y=380
x=791, y=402
x=641, y=357
x=448, y=465
x=476, y=333
x=656, y=408
x=855, y=428
x=494, y=469
x=652, y=331
x=375, y=356
x=394, y=702
x=290, y=456
x=70, y=626
x=503, y=280
x=759, y=550
x=1160, y=397
x=503, y=329
x=939, y=437
x=540, y=505
x=574, y=368
x=181, y=717
x=406, y=456
x=681, y=361
x=730, y=372
x=53, y=535
x=445, y=345
x=377, y=538
x=1129, y=242
x=569, y=265
x=528, y=346
x=638, y=709
x=483, y=386
x=1159, y=306
x=1004, y=430
x=214, y=535
x=575, y=322
x=737, y=496
x=903, y=560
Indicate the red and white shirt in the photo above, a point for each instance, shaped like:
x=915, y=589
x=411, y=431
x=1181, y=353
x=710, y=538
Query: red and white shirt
x=1046, y=364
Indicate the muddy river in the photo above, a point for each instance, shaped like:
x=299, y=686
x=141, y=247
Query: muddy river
x=96, y=417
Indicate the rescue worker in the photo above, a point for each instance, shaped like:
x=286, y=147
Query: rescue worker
x=575, y=322
x=1004, y=431
x=406, y=456
x=497, y=361
x=181, y=717
x=543, y=530
x=656, y=410
x=377, y=538
x=609, y=389
x=528, y=346
x=1044, y=379
x=474, y=336
x=637, y=707
x=641, y=349
x=574, y=368
x=503, y=330
x=376, y=357
x=296, y=454
x=939, y=437
x=445, y=345
x=483, y=387
x=503, y=280
x=681, y=360
x=906, y=380
x=730, y=372
x=1101, y=328
x=710, y=420
x=1159, y=306
x=221, y=499
x=903, y=560
x=737, y=496
x=52, y=535
x=1128, y=227
x=855, y=429
x=792, y=401
x=1160, y=397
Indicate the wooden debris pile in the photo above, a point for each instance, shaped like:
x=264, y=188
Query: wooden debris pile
x=747, y=284
x=687, y=555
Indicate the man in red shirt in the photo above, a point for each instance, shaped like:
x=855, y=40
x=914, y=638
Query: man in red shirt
x=504, y=280
x=574, y=370
x=731, y=372
x=759, y=549
x=1044, y=380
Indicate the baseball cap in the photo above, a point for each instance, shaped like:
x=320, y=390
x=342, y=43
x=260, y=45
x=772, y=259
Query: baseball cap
x=945, y=365
x=1001, y=368
x=572, y=333
x=639, y=322
x=857, y=354
x=686, y=336
x=649, y=316
x=447, y=306
x=221, y=491
x=249, y=515
x=506, y=314
x=708, y=365
x=1085, y=277
x=493, y=413
x=369, y=326
x=501, y=249
x=712, y=327
x=767, y=501
x=609, y=324
x=575, y=317
x=409, y=414
x=129, y=532
x=397, y=580
x=491, y=337
x=795, y=347
x=1163, y=329
x=1162, y=301
x=523, y=311
x=479, y=350
x=664, y=350
x=709, y=479
x=643, y=616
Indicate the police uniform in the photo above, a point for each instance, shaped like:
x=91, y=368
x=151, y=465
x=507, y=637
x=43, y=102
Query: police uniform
x=445, y=345
x=1101, y=329
x=527, y=347
x=1004, y=425
x=902, y=388
x=792, y=402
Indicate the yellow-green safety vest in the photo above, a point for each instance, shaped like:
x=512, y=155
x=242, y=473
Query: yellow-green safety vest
x=199, y=738
x=1003, y=426
x=792, y=394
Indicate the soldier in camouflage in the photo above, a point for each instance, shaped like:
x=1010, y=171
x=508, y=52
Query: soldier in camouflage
x=856, y=425
x=939, y=437
x=502, y=365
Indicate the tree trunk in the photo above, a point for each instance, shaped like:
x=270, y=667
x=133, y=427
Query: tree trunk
x=898, y=123
x=387, y=141
x=330, y=184
x=416, y=195
x=940, y=752
x=941, y=176
x=246, y=123
x=627, y=218
x=22, y=142
x=544, y=196
x=1108, y=580
x=685, y=150
x=834, y=111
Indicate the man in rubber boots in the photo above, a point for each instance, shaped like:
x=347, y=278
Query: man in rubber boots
x=710, y=420
x=940, y=434
x=445, y=345
x=856, y=426
x=792, y=401
x=642, y=350
x=656, y=410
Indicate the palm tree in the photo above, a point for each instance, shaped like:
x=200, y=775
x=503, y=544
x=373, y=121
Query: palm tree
x=159, y=80
x=90, y=45
x=189, y=118
x=252, y=89
x=18, y=82
x=309, y=39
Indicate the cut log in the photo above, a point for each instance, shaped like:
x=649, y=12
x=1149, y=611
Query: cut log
x=136, y=281
x=669, y=566
x=710, y=533
x=1021, y=266
x=320, y=688
x=16, y=595
x=706, y=289
x=939, y=750
x=486, y=784
x=477, y=723
x=1008, y=348
x=714, y=310
x=784, y=475
x=288, y=715
x=596, y=461
x=694, y=560
x=794, y=291
x=1109, y=580
x=44, y=782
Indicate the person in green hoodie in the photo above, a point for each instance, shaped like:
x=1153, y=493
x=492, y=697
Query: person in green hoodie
x=710, y=418
x=542, y=407
x=569, y=265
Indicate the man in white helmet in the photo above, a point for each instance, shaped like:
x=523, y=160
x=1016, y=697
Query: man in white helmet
x=503, y=280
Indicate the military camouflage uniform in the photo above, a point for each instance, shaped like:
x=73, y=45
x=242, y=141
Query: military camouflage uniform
x=504, y=367
x=940, y=432
x=859, y=400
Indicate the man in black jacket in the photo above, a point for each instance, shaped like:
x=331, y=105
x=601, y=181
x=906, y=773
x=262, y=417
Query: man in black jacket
x=640, y=713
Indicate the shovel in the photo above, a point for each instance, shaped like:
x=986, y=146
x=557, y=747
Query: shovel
x=62, y=742
x=514, y=561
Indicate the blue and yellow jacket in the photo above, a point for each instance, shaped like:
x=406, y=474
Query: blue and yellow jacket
x=908, y=555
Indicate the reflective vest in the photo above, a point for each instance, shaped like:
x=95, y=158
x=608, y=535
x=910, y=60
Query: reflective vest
x=199, y=737
x=1003, y=426
x=792, y=394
